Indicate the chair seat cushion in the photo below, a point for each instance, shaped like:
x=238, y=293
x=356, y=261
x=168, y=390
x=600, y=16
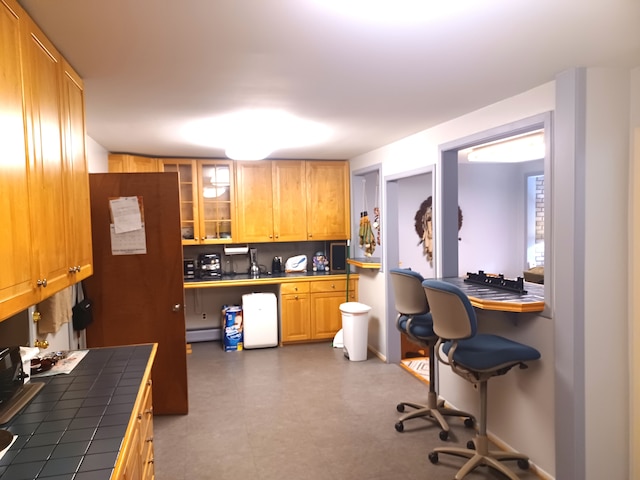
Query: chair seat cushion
x=486, y=352
x=421, y=326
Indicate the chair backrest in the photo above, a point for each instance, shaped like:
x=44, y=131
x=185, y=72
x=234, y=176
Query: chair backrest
x=408, y=293
x=452, y=313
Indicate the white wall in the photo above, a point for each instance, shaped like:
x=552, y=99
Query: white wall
x=584, y=432
x=97, y=157
x=416, y=152
x=412, y=192
x=492, y=200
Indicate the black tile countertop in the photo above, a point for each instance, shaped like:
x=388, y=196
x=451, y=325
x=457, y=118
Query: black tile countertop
x=73, y=428
x=240, y=279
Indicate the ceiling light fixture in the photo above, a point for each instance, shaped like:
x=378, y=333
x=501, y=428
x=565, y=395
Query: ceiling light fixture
x=255, y=134
x=521, y=148
x=397, y=11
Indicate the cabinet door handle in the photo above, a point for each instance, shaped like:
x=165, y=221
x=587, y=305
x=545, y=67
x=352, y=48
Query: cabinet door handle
x=296, y=297
x=42, y=282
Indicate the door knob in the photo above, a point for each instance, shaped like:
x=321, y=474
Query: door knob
x=176, y=307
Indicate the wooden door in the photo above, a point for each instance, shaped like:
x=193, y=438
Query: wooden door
x=254, y=202
x=79, y=251
x=289, y=201
x=327, y=200
x=296, y=322
x=326, y=317
x=17, y=286
x=43, y=106
x=139, y=298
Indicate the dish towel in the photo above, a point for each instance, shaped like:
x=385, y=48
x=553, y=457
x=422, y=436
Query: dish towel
x=55, y=311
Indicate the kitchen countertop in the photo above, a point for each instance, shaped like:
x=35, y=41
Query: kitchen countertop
x=74, y=427
x=487, y=297
x=239, y=279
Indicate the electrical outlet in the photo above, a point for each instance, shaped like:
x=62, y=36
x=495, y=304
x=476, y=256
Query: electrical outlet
x=204, y=316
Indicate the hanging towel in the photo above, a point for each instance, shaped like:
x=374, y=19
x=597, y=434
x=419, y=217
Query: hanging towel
x=55, y=311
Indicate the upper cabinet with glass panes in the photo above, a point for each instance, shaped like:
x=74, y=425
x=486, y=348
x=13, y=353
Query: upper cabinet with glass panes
x=216, y=201
x=206, y=199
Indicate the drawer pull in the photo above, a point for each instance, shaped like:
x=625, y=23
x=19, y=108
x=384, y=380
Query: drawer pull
x=149, y=411
x=139, y=416
x=149, y=440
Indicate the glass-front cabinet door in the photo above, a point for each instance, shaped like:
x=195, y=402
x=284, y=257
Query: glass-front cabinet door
x=187, y=178
x=215, y=196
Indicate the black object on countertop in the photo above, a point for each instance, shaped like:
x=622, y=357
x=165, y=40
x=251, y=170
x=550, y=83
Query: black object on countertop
x=497, y=281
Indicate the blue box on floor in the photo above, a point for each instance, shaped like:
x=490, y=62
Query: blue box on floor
x=232, y=328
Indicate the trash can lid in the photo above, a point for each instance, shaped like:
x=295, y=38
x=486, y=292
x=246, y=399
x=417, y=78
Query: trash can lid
x=354, y=307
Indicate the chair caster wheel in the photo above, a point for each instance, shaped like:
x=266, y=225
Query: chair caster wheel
x=433, y=457
x=468, y=422
x=400, y=407
x=471, y=445
x=399, y=427
x=444, y=435
x=523, y=464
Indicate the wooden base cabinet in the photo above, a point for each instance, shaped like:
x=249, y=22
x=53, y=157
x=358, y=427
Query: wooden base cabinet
x=296, y=313
x=310, y=310
x=136, y=460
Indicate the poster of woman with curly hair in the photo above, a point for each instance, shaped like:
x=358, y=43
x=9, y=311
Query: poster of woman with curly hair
x=424, y=227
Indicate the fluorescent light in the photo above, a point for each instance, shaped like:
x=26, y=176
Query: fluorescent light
x=522, y=148
x=397, y=11
x=254, y=134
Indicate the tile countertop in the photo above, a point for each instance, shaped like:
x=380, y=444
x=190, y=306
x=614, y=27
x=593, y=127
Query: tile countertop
x=75, y=425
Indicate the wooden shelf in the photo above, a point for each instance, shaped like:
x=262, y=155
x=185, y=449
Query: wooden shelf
x=372, y=262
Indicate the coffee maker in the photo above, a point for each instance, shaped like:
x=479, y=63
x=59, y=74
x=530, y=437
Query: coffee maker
x=254, y=268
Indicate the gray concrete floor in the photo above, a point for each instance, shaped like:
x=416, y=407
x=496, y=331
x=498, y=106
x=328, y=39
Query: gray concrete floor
x=301, y=412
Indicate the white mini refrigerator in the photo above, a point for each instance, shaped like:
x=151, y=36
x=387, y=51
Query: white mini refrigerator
x=260, y=317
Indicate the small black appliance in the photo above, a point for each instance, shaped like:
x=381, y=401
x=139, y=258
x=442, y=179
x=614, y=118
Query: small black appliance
x=11, y=374
x=276, y=265
x=209, y=266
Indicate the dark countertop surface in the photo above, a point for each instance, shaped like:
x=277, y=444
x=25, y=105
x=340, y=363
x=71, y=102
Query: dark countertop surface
x=237, y=279
x=73, y=428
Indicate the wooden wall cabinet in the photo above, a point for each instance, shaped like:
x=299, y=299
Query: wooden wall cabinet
x=128, y=163
x=310, y=310
x=271, y=201
x=292, y=200
x=188, y=181
x=43, y=112
x=328, y=207
x=17, y=290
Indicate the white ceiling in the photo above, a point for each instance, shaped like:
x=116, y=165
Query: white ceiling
x=149, y=66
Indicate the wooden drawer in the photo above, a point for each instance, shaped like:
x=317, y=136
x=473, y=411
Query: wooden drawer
x=329, y=285
x=293, y=288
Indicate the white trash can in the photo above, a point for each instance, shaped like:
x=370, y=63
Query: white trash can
x=355, y=328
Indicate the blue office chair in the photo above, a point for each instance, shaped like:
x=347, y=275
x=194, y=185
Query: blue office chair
x=414, y=321
x=475, y=357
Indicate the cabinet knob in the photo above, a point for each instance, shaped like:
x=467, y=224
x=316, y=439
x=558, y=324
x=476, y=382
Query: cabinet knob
x=296, y=297
x=41, y=344
x=333, y=286
x=42, y=282
x=149, y=440
x=72, y=269
x=277, y=236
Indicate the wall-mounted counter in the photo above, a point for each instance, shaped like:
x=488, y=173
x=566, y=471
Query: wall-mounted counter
x=491, y=298
x=309, y=302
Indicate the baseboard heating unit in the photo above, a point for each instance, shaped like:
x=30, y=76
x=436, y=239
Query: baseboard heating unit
x=203, y=335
